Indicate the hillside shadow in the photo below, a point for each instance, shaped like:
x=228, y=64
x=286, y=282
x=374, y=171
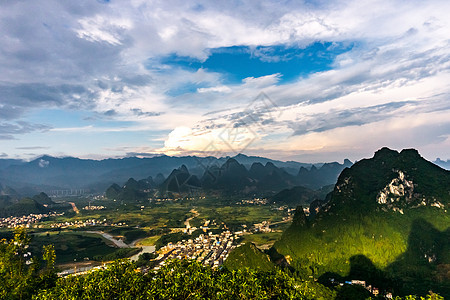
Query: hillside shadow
x=361, y=269
x=278, y=258
x=425, y=265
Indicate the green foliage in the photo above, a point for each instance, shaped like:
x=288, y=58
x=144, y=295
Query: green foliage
x=182, y=279
x=395, y=243
x=145, y=259
x=79, y=245
x=353, y=292
x=118, y=254
x=20, y=272
x=24, y=206
x=135, y=234
x=178, y=279
x=409, y=248
x=43, y=198
x=431, y=296
x=248, y=255
x=295, y=196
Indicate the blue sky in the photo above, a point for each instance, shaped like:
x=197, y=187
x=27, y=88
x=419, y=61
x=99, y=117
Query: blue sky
x=307, y=81
x=236, y=63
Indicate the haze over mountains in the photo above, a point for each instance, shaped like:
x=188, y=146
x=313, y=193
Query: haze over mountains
x=48, y=173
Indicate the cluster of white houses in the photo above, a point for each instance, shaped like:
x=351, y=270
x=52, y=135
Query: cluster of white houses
x=209, y=249
x=26, y=221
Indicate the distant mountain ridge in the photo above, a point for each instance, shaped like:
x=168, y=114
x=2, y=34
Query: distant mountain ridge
x=232, y=178
x=48, y=173
x=442, y=163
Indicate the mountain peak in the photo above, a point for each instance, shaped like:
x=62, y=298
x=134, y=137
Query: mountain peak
x=385, y=151
x=183, y=169
x=410, y=152
x=231, y=161
x=392, y=180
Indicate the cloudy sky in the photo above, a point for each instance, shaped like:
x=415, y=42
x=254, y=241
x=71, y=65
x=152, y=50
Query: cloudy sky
x=293, y=80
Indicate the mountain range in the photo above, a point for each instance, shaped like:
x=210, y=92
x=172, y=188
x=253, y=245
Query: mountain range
x=233, y=177
x=48, y=173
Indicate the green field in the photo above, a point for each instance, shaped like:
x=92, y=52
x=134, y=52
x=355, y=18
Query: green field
x=77, y=246
x=237, y=215
x=262, y=240
x=150, y=241
x=146, y=225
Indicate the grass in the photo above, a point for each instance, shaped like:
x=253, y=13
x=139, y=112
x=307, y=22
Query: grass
x=250, y=256
x=173, y=214
x=262, y=239
x=72, y=246
x=150, y=241
x=234, y=216
x=146, y=225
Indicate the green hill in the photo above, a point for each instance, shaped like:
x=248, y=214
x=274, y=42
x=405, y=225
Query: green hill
x=22, y=207
x=388, y=212
x=43, y=198
x=249, y=255
x=132, y=191
x=298, y=195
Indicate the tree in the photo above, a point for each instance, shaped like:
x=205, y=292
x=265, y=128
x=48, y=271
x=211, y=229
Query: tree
x=20, y=271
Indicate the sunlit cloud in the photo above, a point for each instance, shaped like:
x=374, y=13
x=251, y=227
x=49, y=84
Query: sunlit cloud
x=382, y=76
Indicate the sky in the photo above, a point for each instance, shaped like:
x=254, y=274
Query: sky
x=310, y=81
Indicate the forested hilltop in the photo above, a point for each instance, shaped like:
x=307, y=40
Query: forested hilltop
x=386, y=223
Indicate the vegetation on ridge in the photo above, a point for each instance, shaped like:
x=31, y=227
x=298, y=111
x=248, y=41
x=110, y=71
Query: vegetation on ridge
x=404, y=239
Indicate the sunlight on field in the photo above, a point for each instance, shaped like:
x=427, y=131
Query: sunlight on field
x=150, y=241
x=262, y=239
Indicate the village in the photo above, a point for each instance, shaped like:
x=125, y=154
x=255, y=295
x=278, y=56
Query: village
x=210, y=249
x=26, y=221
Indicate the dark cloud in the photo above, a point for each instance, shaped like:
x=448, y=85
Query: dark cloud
x=32, y=148
x=138, y=112
x=15, y=100
x=137, y=80
x=46, y=64
x=141, y=154
x=10, y=112
x=352, y=117
x=9, y=129
x=110, y=113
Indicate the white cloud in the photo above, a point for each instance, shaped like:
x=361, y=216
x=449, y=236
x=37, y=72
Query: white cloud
x=101, y=29
x=43, y=163
x=105, y=57
x=217, y=89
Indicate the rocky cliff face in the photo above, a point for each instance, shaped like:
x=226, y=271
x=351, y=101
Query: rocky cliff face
x=392, y=181
x=398, y=191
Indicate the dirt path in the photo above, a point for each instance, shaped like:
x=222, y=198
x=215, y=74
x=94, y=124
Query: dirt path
x=118, y=243
x=145, y=249
x=196, y=214
x=74, y=207
x=281, y=222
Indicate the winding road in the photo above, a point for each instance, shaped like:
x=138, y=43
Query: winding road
x=196, y=214
x=118, y=243
x=74, y=207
